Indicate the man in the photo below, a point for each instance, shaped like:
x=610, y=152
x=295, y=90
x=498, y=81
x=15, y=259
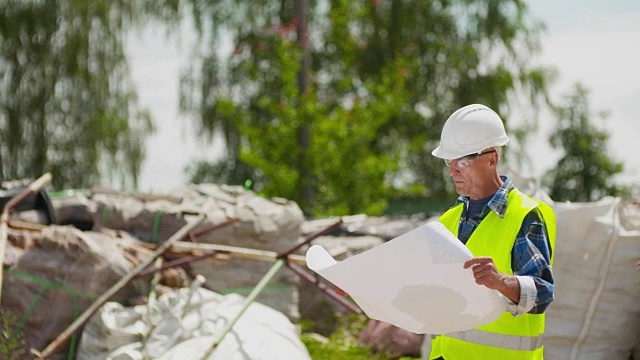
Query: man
x=511, y=235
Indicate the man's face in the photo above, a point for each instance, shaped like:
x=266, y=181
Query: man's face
x=465, y=179
x=470, y=173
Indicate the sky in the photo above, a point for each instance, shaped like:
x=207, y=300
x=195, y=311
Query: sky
x=598, y=44
x=156, y=61
x=594, y=42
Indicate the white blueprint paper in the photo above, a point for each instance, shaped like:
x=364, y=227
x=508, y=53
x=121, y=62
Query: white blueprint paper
x=415, y=281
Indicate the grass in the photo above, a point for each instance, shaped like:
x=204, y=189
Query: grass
x=11, y=341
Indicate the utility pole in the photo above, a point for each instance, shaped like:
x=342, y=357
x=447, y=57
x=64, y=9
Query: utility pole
x=301, y=10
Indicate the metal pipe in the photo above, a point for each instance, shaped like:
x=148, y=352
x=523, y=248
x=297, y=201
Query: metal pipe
x=254, y=293
x=308, y=239
x=245, y=253
x=306, y=276
x=178, y=262
x=282, y=259
x=59, y=341
x=33, y=188
x=192, y=236
x=324, y=288
x=210, y=228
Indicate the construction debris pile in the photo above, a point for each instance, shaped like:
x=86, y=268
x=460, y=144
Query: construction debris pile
x=55, y=272
x=53, y=275
x=271, y=225
x=183, y=324
x=75, y=248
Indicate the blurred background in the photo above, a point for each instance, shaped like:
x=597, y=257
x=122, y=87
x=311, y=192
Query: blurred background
x=333, y=104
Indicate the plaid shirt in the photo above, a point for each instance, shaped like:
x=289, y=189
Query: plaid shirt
x=531, y=251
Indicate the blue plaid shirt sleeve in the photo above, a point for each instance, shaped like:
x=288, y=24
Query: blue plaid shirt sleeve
x=531, y=257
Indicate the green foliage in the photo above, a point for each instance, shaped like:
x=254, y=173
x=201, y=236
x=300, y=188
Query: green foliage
x=11, y=339
x=67, y=104
x=336, y=350
x=347, y=169
x=342, y=344
x=384, y=77
x=585, y=172
x=221, y=172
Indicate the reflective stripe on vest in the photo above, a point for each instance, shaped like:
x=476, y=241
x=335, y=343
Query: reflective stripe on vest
x=510, y=342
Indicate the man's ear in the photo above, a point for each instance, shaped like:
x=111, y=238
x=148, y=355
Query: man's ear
x=493, y=161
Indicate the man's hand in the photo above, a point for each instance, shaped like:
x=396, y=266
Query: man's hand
x=486, y=273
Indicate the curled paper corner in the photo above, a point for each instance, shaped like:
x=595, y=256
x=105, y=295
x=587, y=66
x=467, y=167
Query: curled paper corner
x=318, y=258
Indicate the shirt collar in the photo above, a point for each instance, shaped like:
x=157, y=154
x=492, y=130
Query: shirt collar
x=498, y=202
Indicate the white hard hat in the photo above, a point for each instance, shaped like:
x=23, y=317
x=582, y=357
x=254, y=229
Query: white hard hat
x=470, y=130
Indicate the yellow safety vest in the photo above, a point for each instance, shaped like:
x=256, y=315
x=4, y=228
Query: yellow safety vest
x=508, y=337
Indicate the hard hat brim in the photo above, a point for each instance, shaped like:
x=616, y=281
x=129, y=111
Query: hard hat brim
x=442, y=153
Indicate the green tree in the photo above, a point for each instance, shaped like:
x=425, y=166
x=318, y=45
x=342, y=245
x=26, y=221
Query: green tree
x=585, y=172
x=220, y=172
x=384, y=77
x=66, y=101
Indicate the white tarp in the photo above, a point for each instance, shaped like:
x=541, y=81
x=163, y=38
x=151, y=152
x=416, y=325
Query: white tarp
x=596, y=311
x=415, y=281
x=184, y=324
